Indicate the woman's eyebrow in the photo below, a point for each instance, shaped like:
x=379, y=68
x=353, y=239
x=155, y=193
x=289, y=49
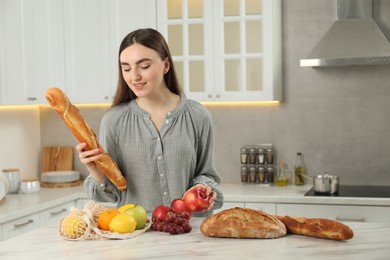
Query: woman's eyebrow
x=138, y=62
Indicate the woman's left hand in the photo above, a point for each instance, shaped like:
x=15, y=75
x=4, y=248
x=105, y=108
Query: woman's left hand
x=212, y=195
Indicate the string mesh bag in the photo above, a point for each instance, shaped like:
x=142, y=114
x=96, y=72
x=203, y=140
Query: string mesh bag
x=75, y=226
x=82, y=225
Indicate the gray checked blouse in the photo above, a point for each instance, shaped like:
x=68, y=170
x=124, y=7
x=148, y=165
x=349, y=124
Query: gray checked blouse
x=159, y=166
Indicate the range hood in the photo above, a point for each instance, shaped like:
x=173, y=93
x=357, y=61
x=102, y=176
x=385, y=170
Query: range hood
x=353, y=39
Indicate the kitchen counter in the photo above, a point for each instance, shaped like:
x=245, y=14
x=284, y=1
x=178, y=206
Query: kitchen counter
x=17, y=205
x=371, y=241
x=291, y=194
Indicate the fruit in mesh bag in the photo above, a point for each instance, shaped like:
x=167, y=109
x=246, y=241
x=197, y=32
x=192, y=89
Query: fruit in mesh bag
x=106, y=217
x=123, y=223
x=139, y=214
x=73, y=226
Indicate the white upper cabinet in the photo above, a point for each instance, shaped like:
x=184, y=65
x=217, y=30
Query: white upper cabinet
x=70, y=44
x=31, y=44
x=225, y=50
x=93, y=32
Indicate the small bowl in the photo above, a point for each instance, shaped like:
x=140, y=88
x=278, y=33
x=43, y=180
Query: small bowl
x=30, y=186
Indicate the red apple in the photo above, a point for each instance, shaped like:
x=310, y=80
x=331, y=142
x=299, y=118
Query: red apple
x=179, y=206
x=160, y=212
x=196, y=199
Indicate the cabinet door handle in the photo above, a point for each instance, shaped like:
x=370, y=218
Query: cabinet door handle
x=57, y=212
x=31, y=99
x=352, y=219
x=23, y=224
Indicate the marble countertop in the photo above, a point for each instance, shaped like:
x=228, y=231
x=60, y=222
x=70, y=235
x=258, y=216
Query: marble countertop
x=17, y=205
x=371, y=241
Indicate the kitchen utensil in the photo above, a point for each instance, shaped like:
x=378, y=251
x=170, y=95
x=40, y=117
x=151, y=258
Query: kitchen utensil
x=60, y=176
x=57, y=158
x=325, y=183
x=13, y=177
x=29, y=186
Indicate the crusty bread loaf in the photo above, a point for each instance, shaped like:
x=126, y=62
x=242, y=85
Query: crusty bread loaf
x=83, y=133
x=242, y=223
x=317, y=227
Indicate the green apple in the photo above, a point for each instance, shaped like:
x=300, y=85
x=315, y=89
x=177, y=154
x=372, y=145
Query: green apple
x=139, y=214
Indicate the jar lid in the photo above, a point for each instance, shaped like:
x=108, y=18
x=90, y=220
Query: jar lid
x=10, y=170
x=29, y=180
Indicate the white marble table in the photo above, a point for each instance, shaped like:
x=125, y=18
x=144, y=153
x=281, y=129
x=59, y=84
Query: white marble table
x=371, y=241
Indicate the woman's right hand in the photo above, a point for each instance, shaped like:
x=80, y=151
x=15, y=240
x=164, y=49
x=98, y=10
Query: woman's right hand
x=88, y=158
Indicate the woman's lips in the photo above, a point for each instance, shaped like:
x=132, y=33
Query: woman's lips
x=139, y=86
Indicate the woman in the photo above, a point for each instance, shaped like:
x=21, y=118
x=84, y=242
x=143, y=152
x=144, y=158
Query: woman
x=161, y=141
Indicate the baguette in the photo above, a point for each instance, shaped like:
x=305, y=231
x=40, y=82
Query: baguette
x=317, y=227
x=242, y=223
x=75, y=122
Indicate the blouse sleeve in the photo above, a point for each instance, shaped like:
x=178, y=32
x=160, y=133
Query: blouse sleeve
x=206, y=172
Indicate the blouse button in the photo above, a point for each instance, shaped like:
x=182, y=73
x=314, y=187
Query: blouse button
x=159, y=157
x=167, y=121
x=165, y=193
x=169, y=113
x=161, y=175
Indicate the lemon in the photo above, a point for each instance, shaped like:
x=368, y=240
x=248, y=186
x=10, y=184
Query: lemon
x=125, y=207
x=123, y=223
x=73, y=226
x=139, y=214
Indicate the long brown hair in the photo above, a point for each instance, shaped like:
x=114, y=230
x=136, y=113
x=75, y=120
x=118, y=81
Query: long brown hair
x=152, y=39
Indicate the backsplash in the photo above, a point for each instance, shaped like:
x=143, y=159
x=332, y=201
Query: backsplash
x=339, y=118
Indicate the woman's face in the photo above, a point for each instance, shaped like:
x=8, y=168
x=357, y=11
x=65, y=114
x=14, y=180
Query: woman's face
x=143, y=70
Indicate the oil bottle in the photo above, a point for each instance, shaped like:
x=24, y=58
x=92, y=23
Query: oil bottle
x=299, y=170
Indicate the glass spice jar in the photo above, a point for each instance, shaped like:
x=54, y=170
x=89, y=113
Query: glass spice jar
x=252, y=174
x=260, y=156
x=244, y=155
x=244, y=174
x=270, y=154
x=261, y=173
x=252, y=155
x=270, y=174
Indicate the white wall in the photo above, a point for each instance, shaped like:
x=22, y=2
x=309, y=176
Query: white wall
x=20, y=139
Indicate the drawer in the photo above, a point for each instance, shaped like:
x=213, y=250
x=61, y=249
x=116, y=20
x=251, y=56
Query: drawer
x=20, y=225
x=269, y=208
x=80, y=204
x=337, y=212
x=54, y=214
x=228, y=205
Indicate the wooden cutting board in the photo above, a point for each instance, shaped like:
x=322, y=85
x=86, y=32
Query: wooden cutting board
x=57, y=158
x=61, y=184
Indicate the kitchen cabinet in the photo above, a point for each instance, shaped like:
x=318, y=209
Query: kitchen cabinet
x=93, y=31
x=30, y=50
x=68, y=44
x=228, y=205
x=80, y=204
x=225, y=50
x=269, y=208
x=20, y=225
x=337, y=212
x=55, y=214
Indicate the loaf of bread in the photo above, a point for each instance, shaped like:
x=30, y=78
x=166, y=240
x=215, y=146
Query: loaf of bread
x=242, y=223
x=317, y=227
x=83, y=133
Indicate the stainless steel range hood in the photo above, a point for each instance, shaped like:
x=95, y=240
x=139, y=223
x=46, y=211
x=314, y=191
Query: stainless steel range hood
x=353, y=39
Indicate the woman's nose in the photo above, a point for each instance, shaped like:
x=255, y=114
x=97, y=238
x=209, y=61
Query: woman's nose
x=136, y=75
